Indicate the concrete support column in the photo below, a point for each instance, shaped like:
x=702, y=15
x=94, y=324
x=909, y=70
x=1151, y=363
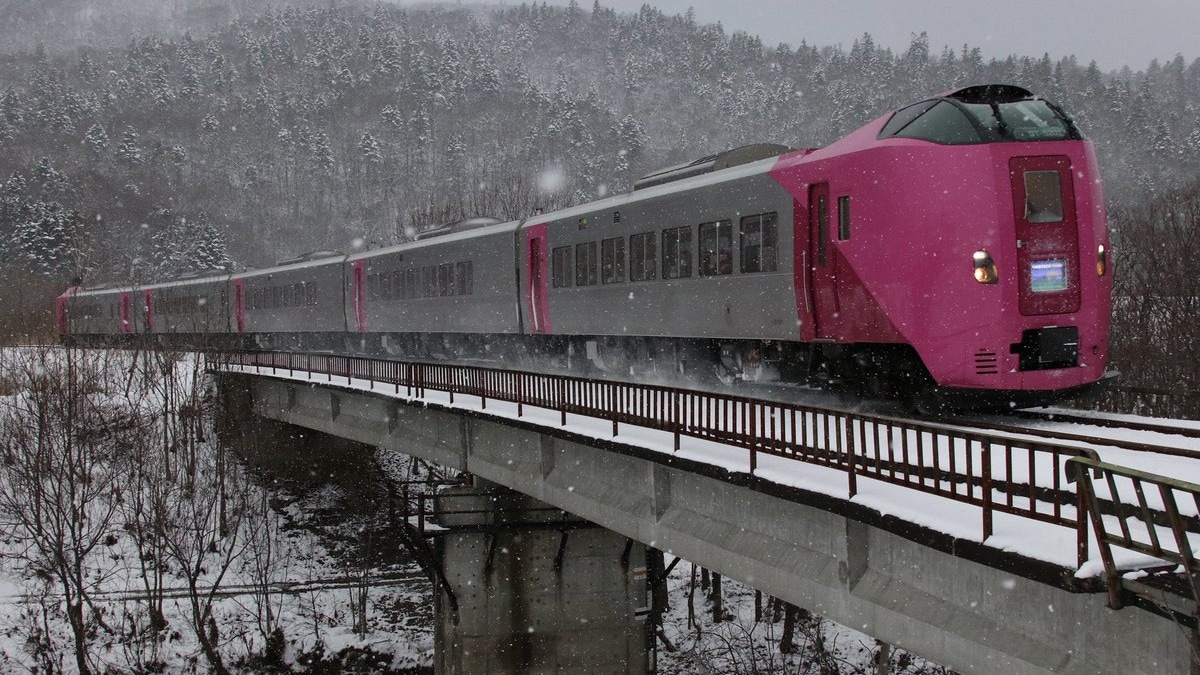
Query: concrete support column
x=531, y=589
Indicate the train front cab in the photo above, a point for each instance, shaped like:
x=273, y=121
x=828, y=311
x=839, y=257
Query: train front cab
x=967, y=231
x=1036, y=315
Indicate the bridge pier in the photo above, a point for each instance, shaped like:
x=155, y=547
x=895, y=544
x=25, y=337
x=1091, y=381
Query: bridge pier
x=531, y=589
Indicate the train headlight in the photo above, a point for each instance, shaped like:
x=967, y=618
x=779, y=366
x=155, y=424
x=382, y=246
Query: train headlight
x=985, y=268
x=1101, y=261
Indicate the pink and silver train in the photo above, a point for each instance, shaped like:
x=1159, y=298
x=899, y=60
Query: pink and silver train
x=956, y=248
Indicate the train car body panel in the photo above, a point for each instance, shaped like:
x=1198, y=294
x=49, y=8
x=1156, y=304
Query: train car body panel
x=453, y=283
x=192, y=306
x=305, y=297
x=708, y=263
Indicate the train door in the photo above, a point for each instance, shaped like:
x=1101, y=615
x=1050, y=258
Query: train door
x=148, y=310
x=239, y=304
x=358, y=280
x=822, y=264
x=539, y=312
x=125, y=311
x=1047, y=235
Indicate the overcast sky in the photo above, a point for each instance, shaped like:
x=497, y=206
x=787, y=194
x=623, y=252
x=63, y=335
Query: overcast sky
x=1111, y=32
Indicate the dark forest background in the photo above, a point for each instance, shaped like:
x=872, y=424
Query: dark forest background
x=138, y=142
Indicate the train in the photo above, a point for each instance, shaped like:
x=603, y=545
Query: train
x=955, y=249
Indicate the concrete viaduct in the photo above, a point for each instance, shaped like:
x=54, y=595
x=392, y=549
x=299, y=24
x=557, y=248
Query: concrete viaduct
x=958, y=603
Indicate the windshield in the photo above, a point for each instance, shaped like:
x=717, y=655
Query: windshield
x=954, y=121
x=1030, y=120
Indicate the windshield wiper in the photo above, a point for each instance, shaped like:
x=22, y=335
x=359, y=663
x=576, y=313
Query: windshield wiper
x=1001, y=125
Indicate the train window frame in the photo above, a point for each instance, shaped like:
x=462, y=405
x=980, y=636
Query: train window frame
x=561, y=274
x=677, y=252
x=612, y=260
x=585, y=264
x=843, y=207
x=643, y=256
x=715, y=246
x=758, y=243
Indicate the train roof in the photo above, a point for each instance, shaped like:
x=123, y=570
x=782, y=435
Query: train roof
x=105, y=289
x=292, y=264
x=461, y=235
x=761, y=166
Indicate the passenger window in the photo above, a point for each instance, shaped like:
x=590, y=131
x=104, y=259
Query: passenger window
x=446, y=279
x=643, y=257
x=585, y=264
x=412, y=284
x=1043, y=197
x=677, y=253
x=465, y=278
x=716, y=248
x=612, y=260
x=843, y=218
x=561, y=262
x=429, y=281
x=759, y=243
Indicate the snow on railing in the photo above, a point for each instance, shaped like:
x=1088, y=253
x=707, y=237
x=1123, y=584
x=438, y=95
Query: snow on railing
x=994, y=472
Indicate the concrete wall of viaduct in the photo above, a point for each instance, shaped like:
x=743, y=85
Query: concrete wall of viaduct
x=957, y=603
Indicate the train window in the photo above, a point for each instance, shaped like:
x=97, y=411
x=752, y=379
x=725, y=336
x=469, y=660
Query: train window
x=942, y=123
x=758, y=237
x=612, y=263
x=643, y=257
x=585, y=264
x=904, y=116
x=1043, y=197
x=465, y=278
x=412, y=284
x=843, y=218
x=677, y=252
x=716, y=248
x=822, y=229
x=561, y=262
x=429, y=281
x=446, y=279
x=1020, y=121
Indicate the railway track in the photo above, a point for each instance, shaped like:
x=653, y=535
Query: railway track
x=1162, y=437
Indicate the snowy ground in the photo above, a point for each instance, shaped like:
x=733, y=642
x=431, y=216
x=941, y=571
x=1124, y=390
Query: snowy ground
x=331, y=545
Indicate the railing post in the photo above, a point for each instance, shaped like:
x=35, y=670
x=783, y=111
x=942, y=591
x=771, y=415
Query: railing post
x=849, y=451
x=677, y=417
x=987, y=487
x=755, y=434
x=562, y=399
x=1081, y=526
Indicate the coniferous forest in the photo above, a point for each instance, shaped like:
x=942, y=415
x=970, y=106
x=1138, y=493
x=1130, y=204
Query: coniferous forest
x=135, y=146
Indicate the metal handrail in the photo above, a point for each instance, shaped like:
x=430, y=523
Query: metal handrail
x=1142, y=512
x=1022, y=477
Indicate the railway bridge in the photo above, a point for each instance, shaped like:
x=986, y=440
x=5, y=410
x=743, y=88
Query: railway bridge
x=987, y=554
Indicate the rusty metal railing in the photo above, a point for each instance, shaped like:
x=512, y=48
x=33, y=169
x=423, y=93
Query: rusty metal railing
x=1153, y=515
x=1004, y=474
